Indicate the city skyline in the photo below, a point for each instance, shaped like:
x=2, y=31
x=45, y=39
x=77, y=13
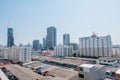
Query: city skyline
x=30, y=19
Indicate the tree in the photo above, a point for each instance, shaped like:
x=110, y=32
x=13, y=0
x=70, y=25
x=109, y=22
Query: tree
x=74, y=55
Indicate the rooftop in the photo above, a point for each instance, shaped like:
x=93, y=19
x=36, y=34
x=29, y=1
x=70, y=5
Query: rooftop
x=74, y=61
x=55, y=74
x=87, y=65
x=108, y=58
x=63, y=73
x=118, y=71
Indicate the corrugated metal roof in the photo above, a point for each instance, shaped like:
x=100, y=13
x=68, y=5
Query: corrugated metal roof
x=45, y=68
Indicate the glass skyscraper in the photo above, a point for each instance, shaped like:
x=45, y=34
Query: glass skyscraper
x=36, y=45
x=44, y=43
x=10, y=38
x=51, y=37
x=66, y=39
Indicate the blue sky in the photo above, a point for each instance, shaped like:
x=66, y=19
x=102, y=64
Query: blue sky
x=79, y=18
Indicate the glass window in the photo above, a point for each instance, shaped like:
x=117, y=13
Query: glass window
x=81, y=75
x=81, y=69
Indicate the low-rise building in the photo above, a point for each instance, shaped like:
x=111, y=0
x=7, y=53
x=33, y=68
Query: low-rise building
x=108, y=61
x=47, y=53
x=63, y=51
x=22, y=54
x=117, y=75
x=4, y=53
x=92, y=72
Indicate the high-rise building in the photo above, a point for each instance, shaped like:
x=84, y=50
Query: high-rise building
x=51, y=37
x=10, y=38
x=44, y=43
x=96, y=46
x=36, y=45
x=66, y=39
x=40, y=45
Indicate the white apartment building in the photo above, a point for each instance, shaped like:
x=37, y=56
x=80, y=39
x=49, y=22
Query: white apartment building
x=116, y=50
x=15, y=53
x=96, y=46
x=25, y=54
x=63, y=51
x=4, y=53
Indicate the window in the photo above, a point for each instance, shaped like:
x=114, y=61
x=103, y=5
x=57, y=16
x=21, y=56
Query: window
x=81, y=69
x=81, y=75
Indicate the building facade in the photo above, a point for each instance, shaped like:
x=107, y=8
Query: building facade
x=63, y=51
x=92, y=72
x=66, y=39
x=44, y=43
x=51, y=37
x=109, y=61
x=4, y=53
x=25, y=54
x=14, y=53
x=96, y=46
x=10, y=38
x=117, y=76
x=116, y=50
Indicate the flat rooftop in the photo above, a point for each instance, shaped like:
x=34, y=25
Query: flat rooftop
x=96, y=66
x=109, y=58
x=118, y=71
x=26, y=74
x=87, y=65
x=74, y=61
x=67, y=74
x=35, y=65
x=56, y=74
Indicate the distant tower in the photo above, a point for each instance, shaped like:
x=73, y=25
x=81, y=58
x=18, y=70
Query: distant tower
x=44, y=43
x=10, y=38
x=51, y=37
x=36, y=45
x=66, y=39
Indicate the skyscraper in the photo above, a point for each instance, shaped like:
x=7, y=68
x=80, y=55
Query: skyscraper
x=44, y=43
x=10, y=38
x=51, y=37
x=66, y=39
x=36, y=45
